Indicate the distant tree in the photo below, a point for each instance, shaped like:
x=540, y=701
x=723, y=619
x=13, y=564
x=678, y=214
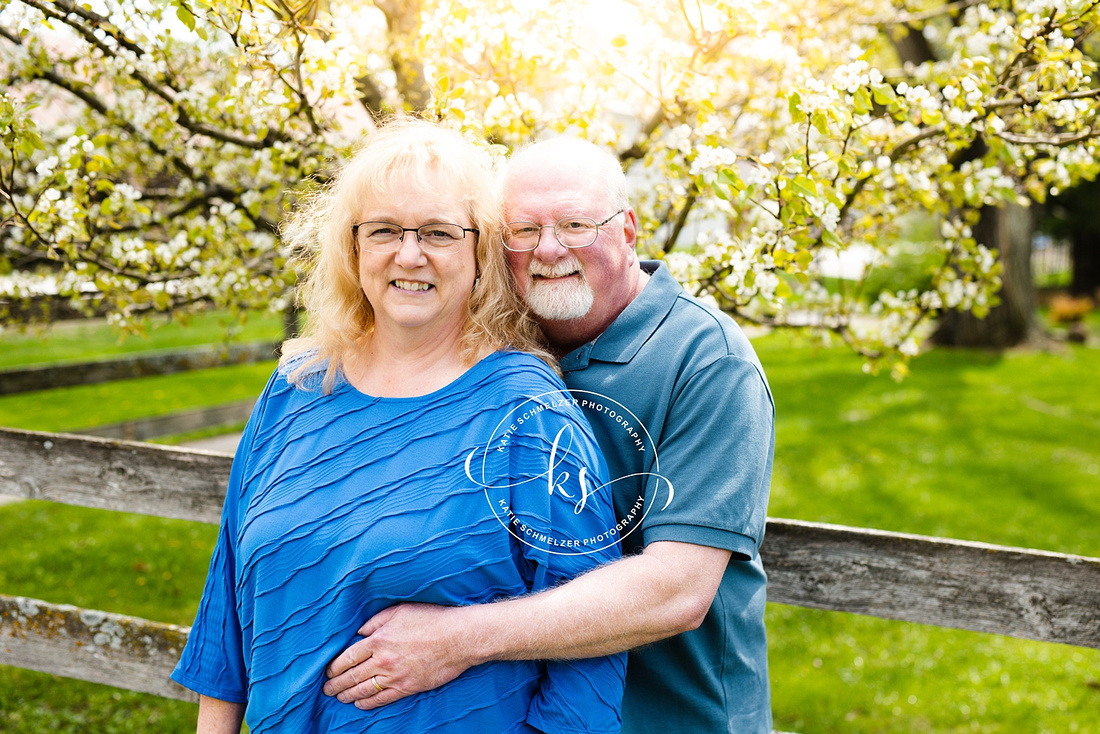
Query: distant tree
x=170, y=138
x=1074, y=217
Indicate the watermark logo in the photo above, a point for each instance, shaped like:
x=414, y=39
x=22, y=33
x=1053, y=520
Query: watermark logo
x=555, y=501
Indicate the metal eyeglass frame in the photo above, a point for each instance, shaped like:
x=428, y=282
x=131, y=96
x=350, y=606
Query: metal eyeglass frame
x=595, y=235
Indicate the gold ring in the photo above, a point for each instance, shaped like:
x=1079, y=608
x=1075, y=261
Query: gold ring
x=374, y=680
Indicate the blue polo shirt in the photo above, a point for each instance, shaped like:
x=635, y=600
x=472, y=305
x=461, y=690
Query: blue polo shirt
x=681, y=408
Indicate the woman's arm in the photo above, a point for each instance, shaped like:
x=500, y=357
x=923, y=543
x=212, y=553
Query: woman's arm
x=219, y=717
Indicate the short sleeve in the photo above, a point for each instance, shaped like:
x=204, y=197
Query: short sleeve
x=563, y=524
x=716, y=447
x=213, y=662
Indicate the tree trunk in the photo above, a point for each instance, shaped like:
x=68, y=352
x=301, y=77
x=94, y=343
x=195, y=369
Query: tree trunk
x=1085, y=251
x=1007, y=230
x=1084, y=235
x=291, y=322
x=403, y=22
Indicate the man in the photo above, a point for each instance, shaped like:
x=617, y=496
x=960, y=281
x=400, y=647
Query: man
x=688, y=597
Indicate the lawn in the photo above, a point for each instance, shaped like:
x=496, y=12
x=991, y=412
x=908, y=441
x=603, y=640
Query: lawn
x=88, y=340
x=1004, y=449
x=999, y=448
x=85, y=406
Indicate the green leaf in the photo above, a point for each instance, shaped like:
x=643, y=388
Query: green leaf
x=931, y=117
x=29, y=143
x=884, y=93
x=862, y=100
x=186, y=16
x=729, y=177
x=794, y=106
x=804, y=185
x=820, y=123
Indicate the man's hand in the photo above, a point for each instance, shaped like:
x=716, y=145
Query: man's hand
x=634, y=601
x=406, y=649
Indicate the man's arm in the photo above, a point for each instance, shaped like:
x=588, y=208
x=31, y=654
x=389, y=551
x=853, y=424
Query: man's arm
x=661, y=592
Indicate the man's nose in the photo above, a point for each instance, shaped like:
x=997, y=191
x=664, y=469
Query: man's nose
x=549, y=248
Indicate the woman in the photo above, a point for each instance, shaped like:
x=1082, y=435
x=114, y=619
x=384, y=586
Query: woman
x=403, y=451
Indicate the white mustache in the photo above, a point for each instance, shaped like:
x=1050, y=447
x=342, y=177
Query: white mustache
x=557, y=270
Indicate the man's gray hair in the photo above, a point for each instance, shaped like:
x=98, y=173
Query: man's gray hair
x=575, y=150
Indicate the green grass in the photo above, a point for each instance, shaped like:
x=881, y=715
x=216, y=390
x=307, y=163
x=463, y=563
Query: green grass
x=1004, y=449
x=85, y=406
x=130, y=564
x=33, y=703
x=148, y=567
x=94, y=339
x=836, y=672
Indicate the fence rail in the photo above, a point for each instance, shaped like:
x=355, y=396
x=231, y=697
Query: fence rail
x=1031, y=594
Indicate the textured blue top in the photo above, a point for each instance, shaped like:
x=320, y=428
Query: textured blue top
x=676, y=395
x=342, y=505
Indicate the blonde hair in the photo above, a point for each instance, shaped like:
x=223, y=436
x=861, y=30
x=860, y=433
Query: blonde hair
x=339, y=316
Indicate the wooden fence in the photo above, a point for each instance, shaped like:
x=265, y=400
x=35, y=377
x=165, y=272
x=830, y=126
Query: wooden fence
x=1019, y=592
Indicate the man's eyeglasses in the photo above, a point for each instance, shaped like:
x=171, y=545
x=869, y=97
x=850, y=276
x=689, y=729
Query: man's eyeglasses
x=386, y=237
x=572, y=232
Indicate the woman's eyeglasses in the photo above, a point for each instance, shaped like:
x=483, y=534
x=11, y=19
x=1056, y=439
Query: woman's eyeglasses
x=387, y=237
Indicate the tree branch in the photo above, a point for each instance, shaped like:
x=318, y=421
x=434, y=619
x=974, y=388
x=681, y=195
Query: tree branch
x=681, y=219
x=183, y=118
x=94, y=103
x=638, y=150
x=907, y=19
x=1054, y=140
x=1021, y=102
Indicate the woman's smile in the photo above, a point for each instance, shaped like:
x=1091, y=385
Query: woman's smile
x=415, y=286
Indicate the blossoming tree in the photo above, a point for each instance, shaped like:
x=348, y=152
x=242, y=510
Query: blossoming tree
x=150, y=150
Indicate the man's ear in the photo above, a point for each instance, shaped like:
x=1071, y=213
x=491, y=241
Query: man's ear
x=630, y=227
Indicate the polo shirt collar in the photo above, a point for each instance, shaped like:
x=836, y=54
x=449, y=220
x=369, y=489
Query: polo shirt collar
x=633, y=327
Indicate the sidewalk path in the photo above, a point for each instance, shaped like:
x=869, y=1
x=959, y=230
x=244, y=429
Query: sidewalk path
x=227, y=443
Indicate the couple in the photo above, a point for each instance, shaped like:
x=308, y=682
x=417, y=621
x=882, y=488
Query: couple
x=416, y=464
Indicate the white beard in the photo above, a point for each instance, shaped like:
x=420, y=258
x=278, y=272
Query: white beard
x=565, y=301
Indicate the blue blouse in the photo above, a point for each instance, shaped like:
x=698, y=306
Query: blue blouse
x=342, y=505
